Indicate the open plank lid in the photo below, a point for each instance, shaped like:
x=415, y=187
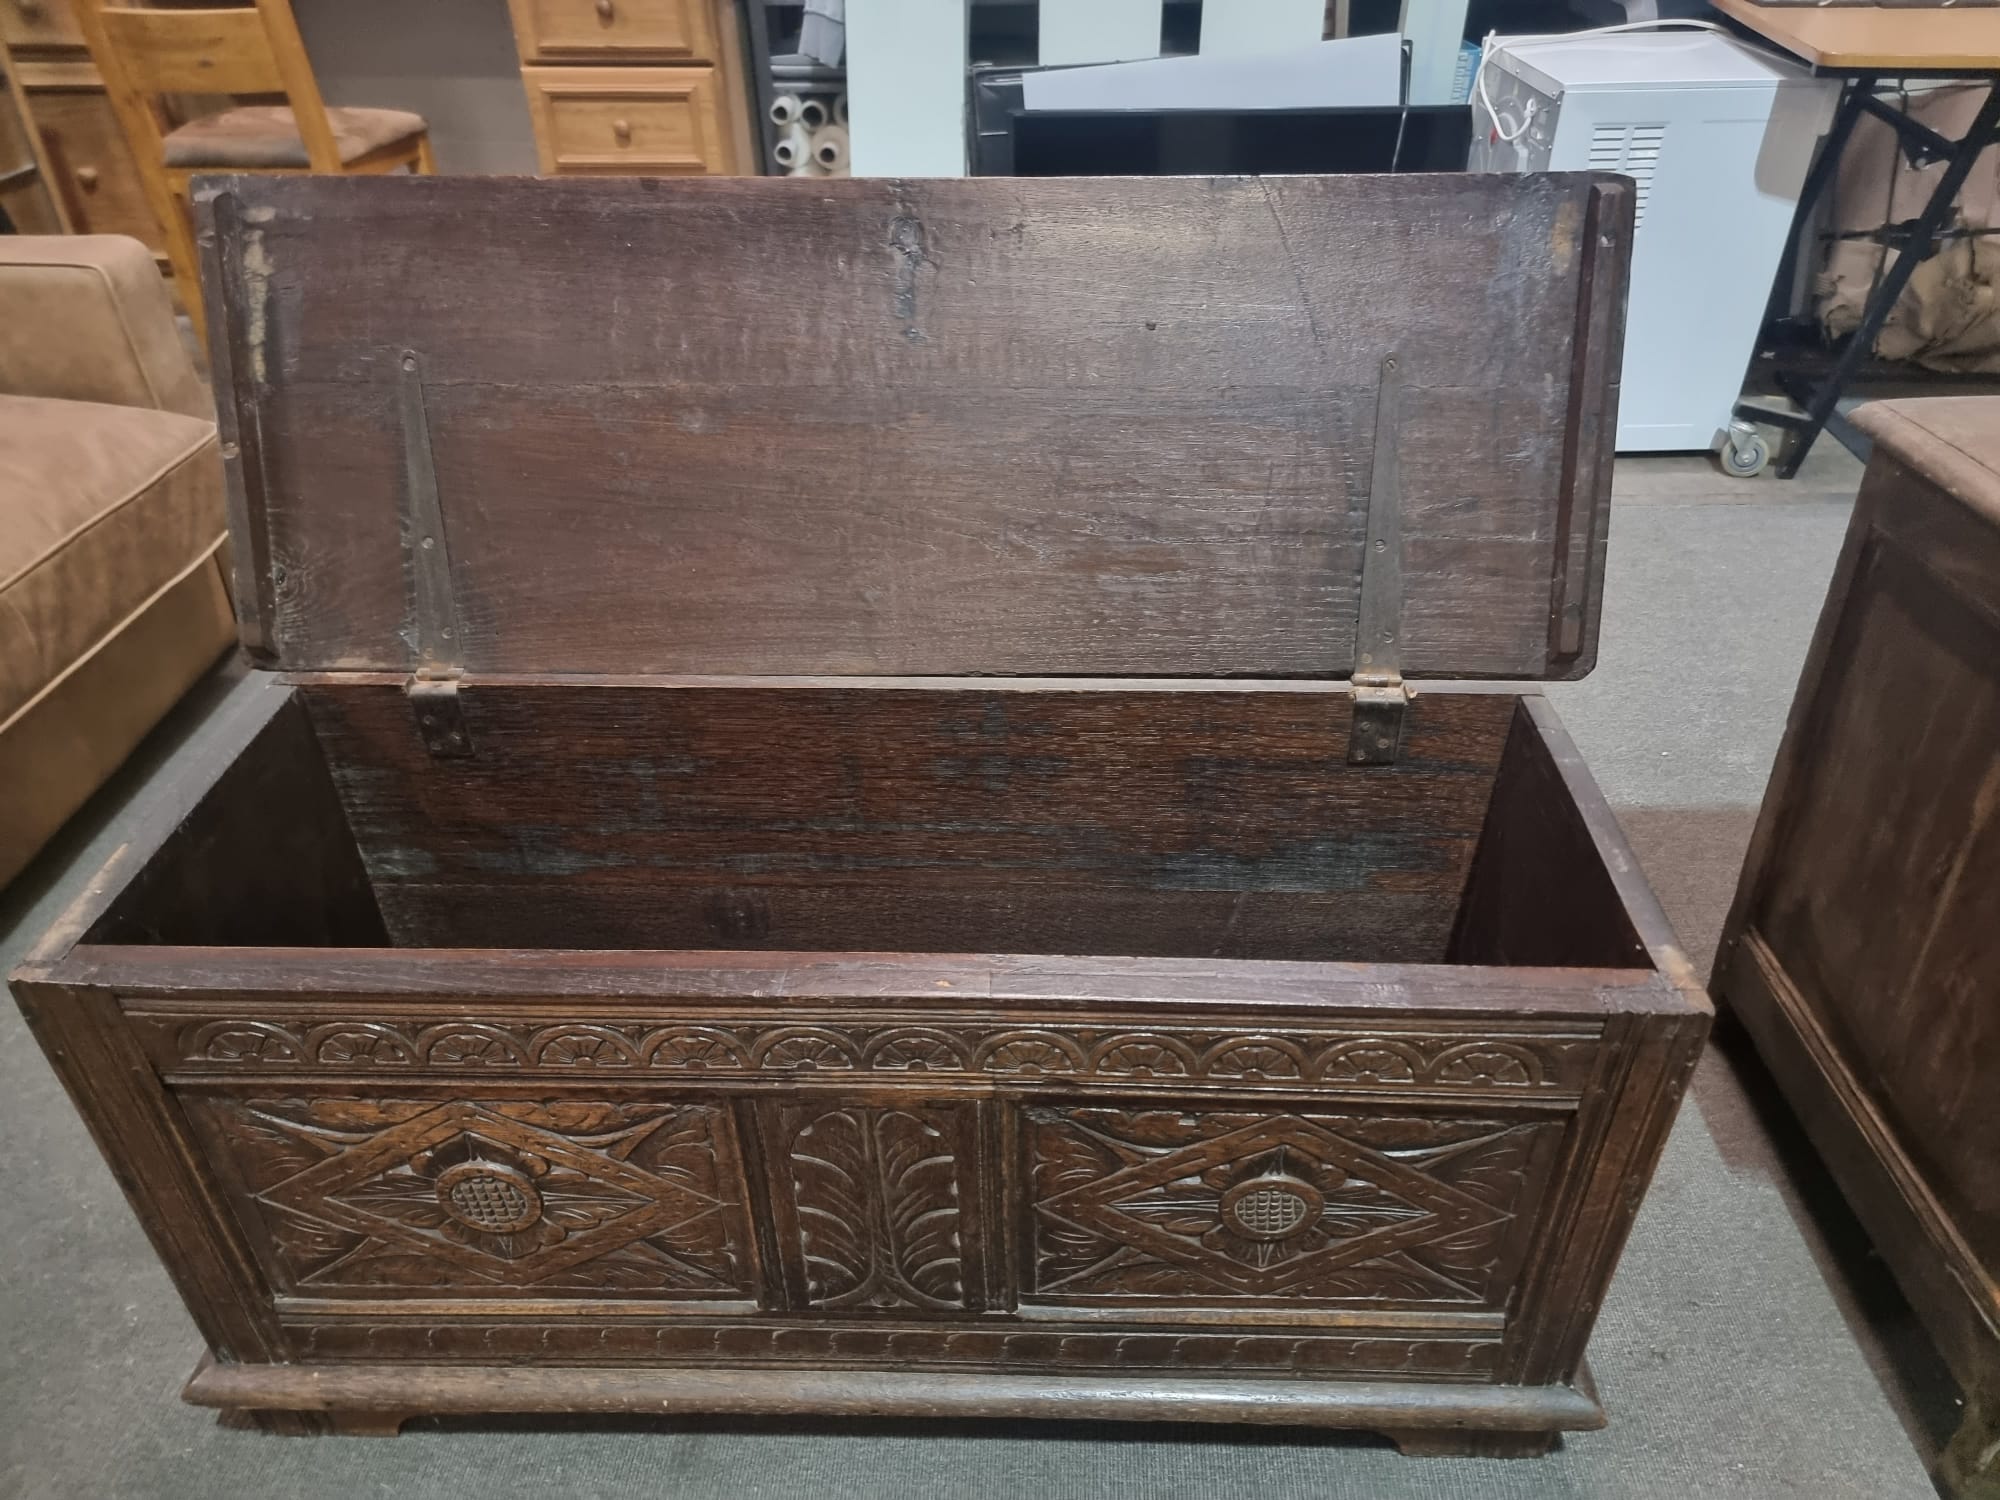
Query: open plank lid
x=1280, y=427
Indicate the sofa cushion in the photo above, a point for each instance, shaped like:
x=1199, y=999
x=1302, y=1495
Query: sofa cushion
x=267, y=135
x=87, y=317
x=75, y=732
x=100, y=507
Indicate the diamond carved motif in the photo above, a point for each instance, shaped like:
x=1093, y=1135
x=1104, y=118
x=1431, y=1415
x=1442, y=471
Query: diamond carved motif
x=498, y=1197
x=1155, y=1203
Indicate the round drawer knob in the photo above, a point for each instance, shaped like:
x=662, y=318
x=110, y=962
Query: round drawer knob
x=622, y=129
x=605, y=10
x=86, y=178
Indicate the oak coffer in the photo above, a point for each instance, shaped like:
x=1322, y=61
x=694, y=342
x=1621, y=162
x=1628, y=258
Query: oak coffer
x=897, y=797
x=1863, y=952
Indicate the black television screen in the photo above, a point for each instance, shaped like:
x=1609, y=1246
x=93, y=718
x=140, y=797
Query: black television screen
x=1201, y=142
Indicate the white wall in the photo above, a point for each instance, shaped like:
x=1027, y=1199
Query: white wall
x=906, y=87
x=1098, y=31
x=452, y=61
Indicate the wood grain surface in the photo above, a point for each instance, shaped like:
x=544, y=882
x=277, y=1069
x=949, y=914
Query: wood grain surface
x=1877, y=38
x=959, y=820
x=997, y=426
x=1862, y=953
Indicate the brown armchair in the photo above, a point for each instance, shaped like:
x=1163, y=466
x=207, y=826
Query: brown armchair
x=112, y=600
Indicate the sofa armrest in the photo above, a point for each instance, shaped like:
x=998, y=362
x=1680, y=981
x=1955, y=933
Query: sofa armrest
x=86, y=317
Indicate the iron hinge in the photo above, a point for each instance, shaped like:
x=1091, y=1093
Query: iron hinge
x=1380, y=698
x=433, y=688
x=440, y=716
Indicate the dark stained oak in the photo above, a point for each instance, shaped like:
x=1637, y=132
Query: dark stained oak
x=1862, y=953
x=1071, y=821
x=837, y=882
x=1012, y=426
x=1533, y=836
x=366, y=1395
x=1223, y=1170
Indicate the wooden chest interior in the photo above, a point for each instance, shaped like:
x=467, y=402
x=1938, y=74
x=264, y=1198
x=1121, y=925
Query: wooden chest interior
x=1200, y=821
x=897, y=798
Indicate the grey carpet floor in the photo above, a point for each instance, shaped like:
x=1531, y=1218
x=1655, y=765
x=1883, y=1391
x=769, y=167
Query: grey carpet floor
x=1735, y=1359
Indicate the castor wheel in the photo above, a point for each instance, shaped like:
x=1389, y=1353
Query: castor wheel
x=1744, y=452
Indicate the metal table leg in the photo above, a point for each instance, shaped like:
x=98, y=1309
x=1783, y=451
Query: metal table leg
x=1820, y=401
x=1853, y=103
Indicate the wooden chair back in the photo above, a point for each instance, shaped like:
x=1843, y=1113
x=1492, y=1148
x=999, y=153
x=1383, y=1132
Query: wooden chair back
x=148, y=55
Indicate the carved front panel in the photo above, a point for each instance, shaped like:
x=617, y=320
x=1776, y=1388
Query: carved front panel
x=1142, y=1204
x=875, y=1205
x=1034, y=1193
x=485, y=1198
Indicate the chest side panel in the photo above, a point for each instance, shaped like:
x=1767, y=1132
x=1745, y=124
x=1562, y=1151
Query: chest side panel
x=1878, y=901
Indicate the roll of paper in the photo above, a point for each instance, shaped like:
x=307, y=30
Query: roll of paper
x=840, y=110
x=806, y=168
x=794, y=147
x=829, y=149
x=812, y=113
x=784, y=109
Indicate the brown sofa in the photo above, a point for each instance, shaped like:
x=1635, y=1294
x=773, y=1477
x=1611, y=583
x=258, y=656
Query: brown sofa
x=111, y=573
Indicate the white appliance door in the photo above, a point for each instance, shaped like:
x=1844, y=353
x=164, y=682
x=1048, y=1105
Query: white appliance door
x=1718, y=172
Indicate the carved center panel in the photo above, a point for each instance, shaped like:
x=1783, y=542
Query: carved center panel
x=476, y=1198
x=876, y=1207
x=1157, y=1203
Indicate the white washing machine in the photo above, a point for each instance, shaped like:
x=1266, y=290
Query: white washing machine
x=1718, y=136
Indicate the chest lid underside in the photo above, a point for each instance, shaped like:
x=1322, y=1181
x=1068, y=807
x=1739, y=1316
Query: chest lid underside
x=1282, y=427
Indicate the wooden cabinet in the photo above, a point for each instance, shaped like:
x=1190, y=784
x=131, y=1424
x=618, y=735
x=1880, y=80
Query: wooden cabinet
x=634, y=87
x=1863, y=954
x=27, y=182
x=91, y=167
x=47, y=24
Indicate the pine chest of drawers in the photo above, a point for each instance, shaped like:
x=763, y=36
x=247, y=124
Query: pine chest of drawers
x=898, y=797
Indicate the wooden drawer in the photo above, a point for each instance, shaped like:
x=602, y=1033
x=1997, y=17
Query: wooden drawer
x=639, y=121
x=610, y=30
x=93, y=166
x=39, y=23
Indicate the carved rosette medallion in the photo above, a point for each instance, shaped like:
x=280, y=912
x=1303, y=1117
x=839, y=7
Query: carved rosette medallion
x=489, y=1197
x=1274, y=1205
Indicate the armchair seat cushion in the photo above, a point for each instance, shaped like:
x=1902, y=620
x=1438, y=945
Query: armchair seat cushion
x=267, y=135
x=100, y=508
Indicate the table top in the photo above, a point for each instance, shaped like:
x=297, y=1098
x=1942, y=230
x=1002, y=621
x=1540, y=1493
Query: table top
x=1877, y=39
